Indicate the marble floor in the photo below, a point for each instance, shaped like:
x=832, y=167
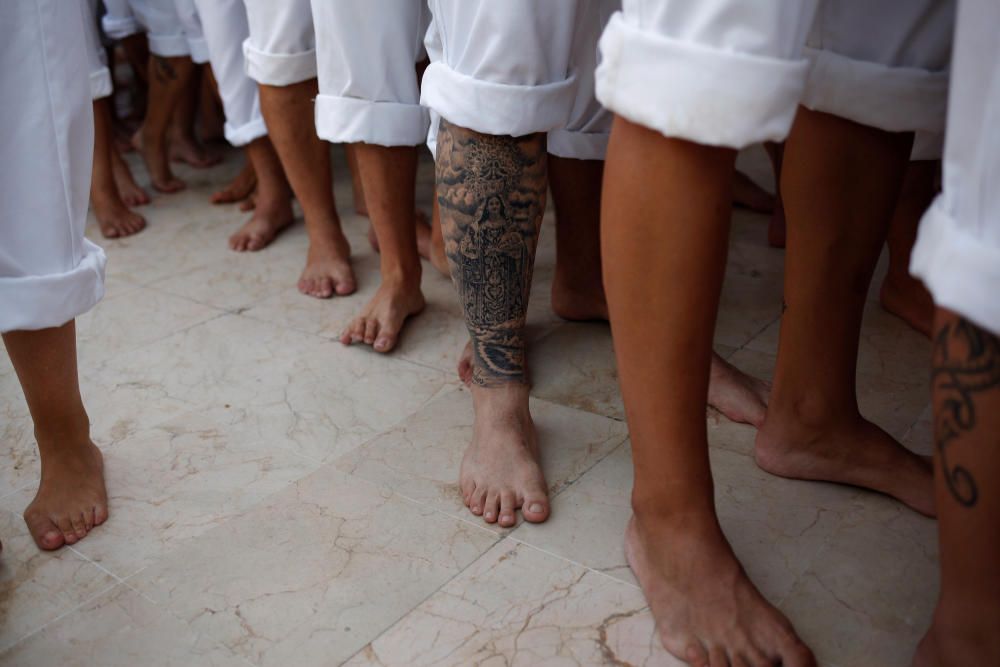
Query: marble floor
x=279, y=499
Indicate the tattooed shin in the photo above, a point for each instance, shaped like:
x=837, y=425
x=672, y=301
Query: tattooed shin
x=966, y=364
x=491, y=191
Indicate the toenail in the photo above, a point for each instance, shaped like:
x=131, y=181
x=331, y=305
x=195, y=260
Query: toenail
x=535, y=508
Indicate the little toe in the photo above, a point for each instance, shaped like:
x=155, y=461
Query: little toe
x=478, y=501
x=88, y=519
x=100, y=513
x=508, y=508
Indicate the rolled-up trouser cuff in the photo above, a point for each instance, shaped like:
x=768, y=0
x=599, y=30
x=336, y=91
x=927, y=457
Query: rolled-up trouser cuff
x=119, y=27
x=100, y=83
x=496, y=108
x=279, y=69
x=960, y=271
x=168, y=46
x=244, y=134
x=895, y=99
x=578, y=145
x=690, y=91
x=199, y=49
x=344, y=120
x=28, y=303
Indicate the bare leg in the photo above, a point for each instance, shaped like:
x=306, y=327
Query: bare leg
x=966, y=396
x=437, y=254
x=389, y=177
x=665, y=224
x=113, y=216
x=288, y=111
x=273, y=203
x=71, y=496
x=776, y=228
x=358, y=187
x=749, y=195
x=184, y=144
x=131, y=192
x=902, y=294
x=840, y=185
x=167, y=80
x=491, y=191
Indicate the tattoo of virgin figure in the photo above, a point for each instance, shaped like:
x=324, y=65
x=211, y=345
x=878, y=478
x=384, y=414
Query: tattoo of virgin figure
x=491, y=193
x=966, y=362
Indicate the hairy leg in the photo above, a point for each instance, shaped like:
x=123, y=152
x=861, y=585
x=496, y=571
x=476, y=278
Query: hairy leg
x=114, y=217
x=71, y=496
x=389, y=176
x=902, y=294
x=664, y=230
x=272, y=211
x=840, y=185
x=168, y=78
x=289, y=113
x=491, y=192
x=965, y=375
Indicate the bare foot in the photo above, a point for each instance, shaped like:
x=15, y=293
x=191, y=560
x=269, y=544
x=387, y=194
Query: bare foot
x=71, y=497
x=328, y=269
x=855, y=452
x=749, y=195
x=572, y=301
x=115, y=219
x=130, y=192
x=707, y=610
x=261, y=229
x=382, y=319
x=187, y=150
x=909, y=300
x=154, y=154
x=740, y=397
x=240, y=189
x=500, y=469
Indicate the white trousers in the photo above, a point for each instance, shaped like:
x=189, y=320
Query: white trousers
x=366, y=55
x=518, y=67
x=225, y=27
x=957, y=253
x=168, y=35
x=100, y=75
x=281, y=48
x=49, y=273
x=732, y=73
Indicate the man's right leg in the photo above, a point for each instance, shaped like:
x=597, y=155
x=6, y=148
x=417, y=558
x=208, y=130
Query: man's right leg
x=168, y=77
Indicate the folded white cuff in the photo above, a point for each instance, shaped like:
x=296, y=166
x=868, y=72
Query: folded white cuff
x=695, y=92
x=961, y=271
x=119, y=27
x=279, y=69
x=243, y=134
x=168, y=46
x=100, y=83
x=496, y=108
x=344, y=120
x=28, y=303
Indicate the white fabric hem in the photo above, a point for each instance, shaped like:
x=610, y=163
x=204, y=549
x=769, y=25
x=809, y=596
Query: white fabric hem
x=244, y=134
x=168, y=46
x=344, y=120
x=120, y=27
x=279, y=69
x=100, y=84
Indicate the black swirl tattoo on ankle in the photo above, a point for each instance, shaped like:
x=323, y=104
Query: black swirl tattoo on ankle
x=491, y=192
x=966, y=362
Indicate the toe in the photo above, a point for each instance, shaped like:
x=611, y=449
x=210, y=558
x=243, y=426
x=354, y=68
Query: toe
x=696, y=654
x=371, y=329
x=717, y=657
x=478, y=500
x=45, y=533
x=491, y=509
x=797, y=654
x=466, y=487
x=66, y=527
x=79, y=525
x=323, y=288
x=345, y=286
x=88, y=518
x=508, y=507
x=386, y=340
x=100, y=513
x=535, y=508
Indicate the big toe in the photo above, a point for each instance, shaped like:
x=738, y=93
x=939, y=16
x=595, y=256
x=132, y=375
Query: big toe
x=536, y=507
x=45, y=533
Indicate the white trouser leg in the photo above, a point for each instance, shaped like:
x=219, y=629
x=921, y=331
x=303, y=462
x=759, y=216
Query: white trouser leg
x=957, y=253
x=716, y=72
x=119, y=21
x=281, y=48
x=225, y=26
x=100, y=76
x=164, y=29
x=49, y=273
x=190, y=21
x=366, y=58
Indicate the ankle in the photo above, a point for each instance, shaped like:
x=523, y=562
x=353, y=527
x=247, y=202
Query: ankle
x=59, y=431
x=401, y=274
x=807, y=413
x=502, y=402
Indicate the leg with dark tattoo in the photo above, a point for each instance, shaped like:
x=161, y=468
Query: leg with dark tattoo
x=491, y=194
x=965, y=378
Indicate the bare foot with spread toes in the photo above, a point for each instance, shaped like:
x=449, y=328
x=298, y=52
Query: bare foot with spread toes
x=740, y=397
x=240, y=189
x=130, y=191
x=328, y=268
x=71, y=498
x=261, y=229
x=115, y=219
x=380, y=323
x=854, y=452
x=501, y=471
x=155, y=155
x=708, y=613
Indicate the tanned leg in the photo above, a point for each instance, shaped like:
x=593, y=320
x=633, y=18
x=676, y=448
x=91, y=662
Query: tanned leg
x=776, y=228
x=184, y=143
x=840, y=184
x=272, y=211
x=71, y=496
x=902, y=294
x=131, y=192
x=113, y=216
x=289, y=114
x=389, y=176
x=240, y=189
x=965, y=376
x=168, y=78
x=664, y=230
x=357, y=186
x=491, y=191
